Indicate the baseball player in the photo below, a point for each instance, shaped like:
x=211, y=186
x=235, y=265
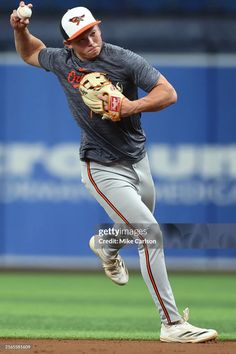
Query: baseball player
x=100, y=81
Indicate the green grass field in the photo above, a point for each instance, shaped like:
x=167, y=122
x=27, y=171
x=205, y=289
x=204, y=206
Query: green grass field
x=70, y=305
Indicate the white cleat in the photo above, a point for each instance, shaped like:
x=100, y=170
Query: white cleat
x=114, y=267
x=186, y=333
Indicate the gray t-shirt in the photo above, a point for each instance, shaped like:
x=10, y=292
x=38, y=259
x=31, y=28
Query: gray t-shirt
x=104, y=141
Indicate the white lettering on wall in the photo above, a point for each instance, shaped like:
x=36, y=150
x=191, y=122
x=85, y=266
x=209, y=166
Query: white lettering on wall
x=184, y=174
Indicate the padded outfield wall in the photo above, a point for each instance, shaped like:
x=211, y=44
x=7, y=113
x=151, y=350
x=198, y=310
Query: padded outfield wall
x=47, y=216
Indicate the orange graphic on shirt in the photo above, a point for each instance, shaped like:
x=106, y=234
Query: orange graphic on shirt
x=74, y=79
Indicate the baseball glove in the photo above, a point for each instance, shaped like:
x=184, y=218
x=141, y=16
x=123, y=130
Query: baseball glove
x=95, y=84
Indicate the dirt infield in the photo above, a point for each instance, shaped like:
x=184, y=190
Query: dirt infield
x=47, y=346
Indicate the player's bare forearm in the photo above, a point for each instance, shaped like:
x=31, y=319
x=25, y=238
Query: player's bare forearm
x=27, y=46
x=160, y=97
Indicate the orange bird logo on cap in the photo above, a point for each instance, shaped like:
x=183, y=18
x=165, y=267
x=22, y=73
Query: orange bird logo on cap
x=77, y=19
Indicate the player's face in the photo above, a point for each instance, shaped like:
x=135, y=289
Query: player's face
x=88, y=45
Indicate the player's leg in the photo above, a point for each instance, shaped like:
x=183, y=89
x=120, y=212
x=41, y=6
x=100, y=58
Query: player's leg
x=146, y=190
x=182, y=331
x=116, y=189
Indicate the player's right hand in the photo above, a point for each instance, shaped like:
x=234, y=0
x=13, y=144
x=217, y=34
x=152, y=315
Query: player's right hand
x=16, y=22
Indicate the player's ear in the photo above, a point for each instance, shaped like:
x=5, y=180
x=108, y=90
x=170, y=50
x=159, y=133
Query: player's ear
x=98, y=29
x=67, y=44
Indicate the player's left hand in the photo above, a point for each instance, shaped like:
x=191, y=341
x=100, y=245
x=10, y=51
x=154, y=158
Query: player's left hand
x=94, y=87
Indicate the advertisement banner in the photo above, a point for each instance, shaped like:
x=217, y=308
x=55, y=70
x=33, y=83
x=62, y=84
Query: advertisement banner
x=45, y=209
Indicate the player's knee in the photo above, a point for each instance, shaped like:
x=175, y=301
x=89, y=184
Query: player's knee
x=151, y=236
